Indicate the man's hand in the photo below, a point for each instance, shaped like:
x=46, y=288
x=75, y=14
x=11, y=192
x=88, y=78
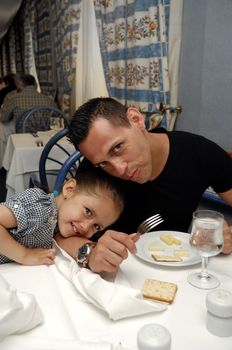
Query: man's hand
x=111, y=249
x=227, y=249
x=38, y=256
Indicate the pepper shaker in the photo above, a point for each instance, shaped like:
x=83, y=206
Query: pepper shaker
x=219, y=312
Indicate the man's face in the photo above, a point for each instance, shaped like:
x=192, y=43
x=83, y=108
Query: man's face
x=121, y=151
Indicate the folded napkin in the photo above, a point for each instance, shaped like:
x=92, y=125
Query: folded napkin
x=117, y=300
x=19, y=311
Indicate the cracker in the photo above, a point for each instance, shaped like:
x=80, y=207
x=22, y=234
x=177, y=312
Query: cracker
x=159, y=290
x=166, y=258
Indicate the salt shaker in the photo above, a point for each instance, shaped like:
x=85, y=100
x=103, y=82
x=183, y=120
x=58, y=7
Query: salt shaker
x=219, y=314
x=153, y=336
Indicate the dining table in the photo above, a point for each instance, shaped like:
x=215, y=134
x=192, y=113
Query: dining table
x=22, y=155
x=70, y=318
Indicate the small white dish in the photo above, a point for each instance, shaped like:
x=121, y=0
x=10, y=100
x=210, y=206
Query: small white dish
x=153, y=238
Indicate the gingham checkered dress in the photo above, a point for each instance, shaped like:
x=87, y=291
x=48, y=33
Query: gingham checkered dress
x=36, y=215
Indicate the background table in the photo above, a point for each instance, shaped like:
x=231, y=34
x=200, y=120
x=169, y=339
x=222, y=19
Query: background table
x=21, y=159
x=67, y=316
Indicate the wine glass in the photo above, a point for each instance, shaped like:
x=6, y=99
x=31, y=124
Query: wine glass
x=54, y=123
x=207, y=239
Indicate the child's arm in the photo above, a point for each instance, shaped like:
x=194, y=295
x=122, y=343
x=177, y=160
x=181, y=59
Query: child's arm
x=16, y=251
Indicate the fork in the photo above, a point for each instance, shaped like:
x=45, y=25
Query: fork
x=148, y=224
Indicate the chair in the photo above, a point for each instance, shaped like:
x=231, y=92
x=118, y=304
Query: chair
x=38, y=118
x=211, y=195
x=69, y=166
x=50, y=166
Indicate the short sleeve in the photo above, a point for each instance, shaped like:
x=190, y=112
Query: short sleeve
x=35, y=211
x=218, y=166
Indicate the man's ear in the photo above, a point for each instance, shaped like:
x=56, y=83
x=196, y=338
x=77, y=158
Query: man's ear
x=69, y=188
x=135, y=117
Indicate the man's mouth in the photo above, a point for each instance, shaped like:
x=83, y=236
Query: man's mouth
x=133, y=174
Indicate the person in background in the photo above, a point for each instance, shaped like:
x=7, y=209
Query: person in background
x=159, y=171
x=85, y=205
x=7, y=85
x=25, y=96
x=16, y=102
x=2, y=84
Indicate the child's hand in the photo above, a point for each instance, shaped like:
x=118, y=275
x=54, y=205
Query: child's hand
x=38, y=256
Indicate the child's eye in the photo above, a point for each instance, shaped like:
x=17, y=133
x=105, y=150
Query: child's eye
x=101, y=165
x=88, y=212
x=97, y=227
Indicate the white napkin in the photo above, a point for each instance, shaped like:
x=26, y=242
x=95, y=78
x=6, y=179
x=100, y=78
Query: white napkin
x=19, y=311
x=117, y=300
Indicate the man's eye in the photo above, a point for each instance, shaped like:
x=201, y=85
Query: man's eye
x=88, y=212
x=117, y=148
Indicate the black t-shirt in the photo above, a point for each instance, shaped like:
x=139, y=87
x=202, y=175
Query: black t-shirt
x=194, y=164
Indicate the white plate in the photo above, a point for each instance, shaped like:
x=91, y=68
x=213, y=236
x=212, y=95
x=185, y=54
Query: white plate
x=154, y=238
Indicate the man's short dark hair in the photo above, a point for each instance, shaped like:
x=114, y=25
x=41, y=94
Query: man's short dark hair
x=25, y=80
x=100, y=107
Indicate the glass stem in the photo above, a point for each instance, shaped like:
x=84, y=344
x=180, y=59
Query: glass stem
x=204, y=263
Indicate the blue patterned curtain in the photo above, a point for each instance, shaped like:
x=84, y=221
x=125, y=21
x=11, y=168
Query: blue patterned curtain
x=38, y=43
x=11, y=53
x=65, y=22
x=134, y=46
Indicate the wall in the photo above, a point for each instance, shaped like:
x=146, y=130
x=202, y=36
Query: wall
x=205, y=86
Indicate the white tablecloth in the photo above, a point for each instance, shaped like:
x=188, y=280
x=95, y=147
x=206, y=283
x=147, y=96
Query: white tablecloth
x=6, y=129
x=21, y=159
x=68, y=316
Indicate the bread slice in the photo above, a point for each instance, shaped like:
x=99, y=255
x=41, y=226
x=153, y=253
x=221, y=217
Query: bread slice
x=166, y=258
x=159, y=290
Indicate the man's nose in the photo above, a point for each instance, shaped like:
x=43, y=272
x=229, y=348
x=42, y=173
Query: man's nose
x=119, y=166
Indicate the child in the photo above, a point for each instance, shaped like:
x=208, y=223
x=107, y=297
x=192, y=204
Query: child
x=86, y=204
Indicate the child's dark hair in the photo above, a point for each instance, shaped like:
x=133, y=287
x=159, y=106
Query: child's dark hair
x=94, y=181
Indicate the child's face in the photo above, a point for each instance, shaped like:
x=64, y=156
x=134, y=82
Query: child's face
x=82, y=214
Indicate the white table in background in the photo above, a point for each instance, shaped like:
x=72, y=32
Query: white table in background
x=21, y=159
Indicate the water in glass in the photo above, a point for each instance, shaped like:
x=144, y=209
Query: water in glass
x=207, y=239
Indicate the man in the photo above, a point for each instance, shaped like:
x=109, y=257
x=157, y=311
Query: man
x=8, y=85
x=16, y=102
x=162, y=172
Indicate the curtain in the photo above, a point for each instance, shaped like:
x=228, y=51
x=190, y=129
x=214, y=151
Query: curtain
x=175, y=35
x=89, y=79
x=133, y=38
x=65, y=24
x=17, y=52
x=38, y=47
x=49, y=39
